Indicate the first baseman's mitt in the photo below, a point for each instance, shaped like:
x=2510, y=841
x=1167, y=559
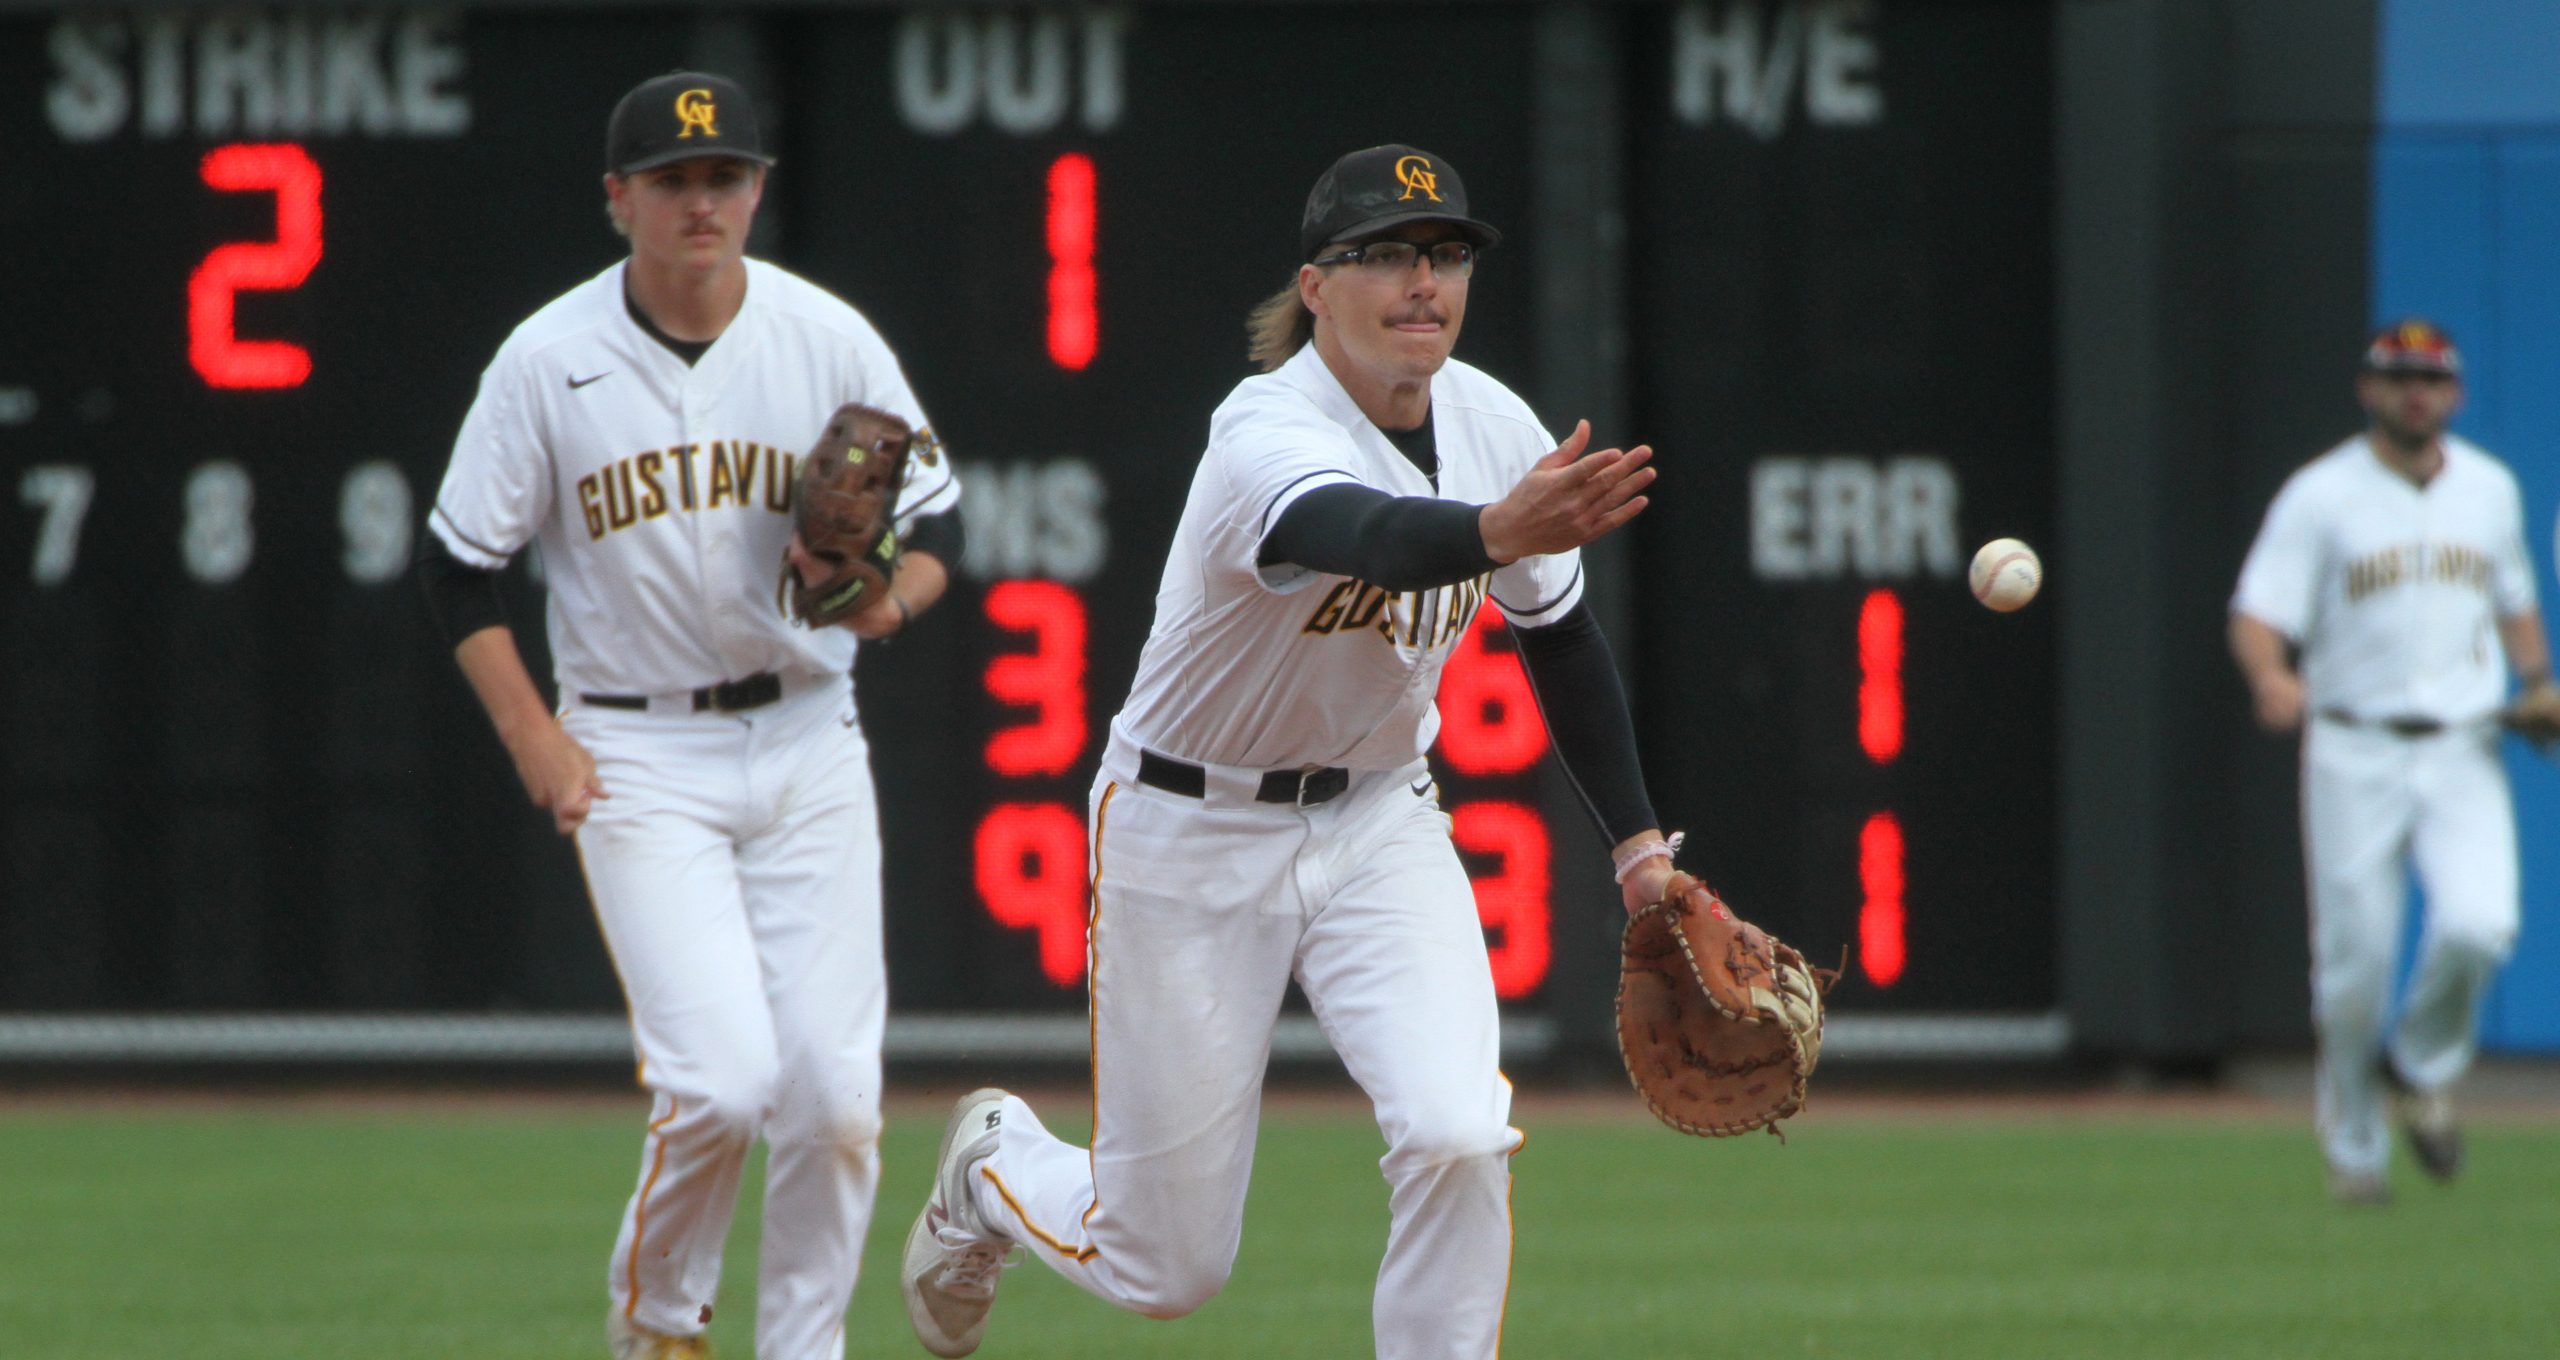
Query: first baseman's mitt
x=844, y=505
x=1719, y=1037
x=2535, y=715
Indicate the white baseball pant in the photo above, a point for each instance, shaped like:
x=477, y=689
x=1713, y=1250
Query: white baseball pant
x=736, y=873
x=2374, y=804
x=1202, y=912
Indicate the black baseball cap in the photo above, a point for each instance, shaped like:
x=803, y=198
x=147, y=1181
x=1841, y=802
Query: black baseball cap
x=680, y=115
x=2412, y=345
x=1367, y=192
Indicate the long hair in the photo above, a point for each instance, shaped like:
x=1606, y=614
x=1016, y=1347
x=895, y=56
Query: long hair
x=1278, y=327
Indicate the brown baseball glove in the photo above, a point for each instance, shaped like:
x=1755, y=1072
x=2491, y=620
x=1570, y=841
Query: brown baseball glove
x=2535, y=716
x=1718, y=1035
x=844, y=506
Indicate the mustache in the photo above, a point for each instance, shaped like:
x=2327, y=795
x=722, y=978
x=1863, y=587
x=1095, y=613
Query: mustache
x=1418, y=314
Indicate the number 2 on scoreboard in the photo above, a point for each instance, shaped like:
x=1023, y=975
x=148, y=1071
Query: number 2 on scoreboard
x=220, y=356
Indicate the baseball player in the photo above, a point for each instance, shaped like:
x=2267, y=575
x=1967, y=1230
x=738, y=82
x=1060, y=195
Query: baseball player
x=2395, y=563
x=1264, y=811
x=644, y=428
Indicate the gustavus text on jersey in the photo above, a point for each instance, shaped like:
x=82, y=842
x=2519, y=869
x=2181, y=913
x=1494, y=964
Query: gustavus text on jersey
x=648, y=484
x=1414, y=620
x=2445, y=563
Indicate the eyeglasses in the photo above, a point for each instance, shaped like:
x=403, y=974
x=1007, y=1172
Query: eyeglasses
x=1449, y=259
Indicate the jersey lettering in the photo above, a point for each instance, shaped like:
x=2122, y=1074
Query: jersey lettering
x=724, y=487
x=653, y=500
x=634, y=489
x=2447, y=564
x=1416, y=621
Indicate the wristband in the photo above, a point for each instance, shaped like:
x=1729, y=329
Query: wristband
x=1626, y=860
x=905, y=615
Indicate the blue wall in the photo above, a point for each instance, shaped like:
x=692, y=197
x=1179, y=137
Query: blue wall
x=2466, y=229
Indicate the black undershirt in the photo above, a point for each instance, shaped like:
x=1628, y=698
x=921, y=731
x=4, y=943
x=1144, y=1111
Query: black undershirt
x=1399, y=542
x=461, y=598
x=691, y=351
x=1419, y=446
x=1575, y=678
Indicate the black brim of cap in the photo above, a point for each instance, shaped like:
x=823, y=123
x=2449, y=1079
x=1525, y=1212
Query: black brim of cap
x=689, y=154
x=1485, y=233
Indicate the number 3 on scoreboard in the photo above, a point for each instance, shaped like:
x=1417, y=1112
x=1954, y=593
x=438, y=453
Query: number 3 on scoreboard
x=224, y=359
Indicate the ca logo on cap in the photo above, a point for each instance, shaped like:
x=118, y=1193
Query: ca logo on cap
x=694, y=110
x=1416, y=175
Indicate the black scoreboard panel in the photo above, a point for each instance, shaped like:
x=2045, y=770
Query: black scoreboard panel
x=1842, y=300
x=264, y=254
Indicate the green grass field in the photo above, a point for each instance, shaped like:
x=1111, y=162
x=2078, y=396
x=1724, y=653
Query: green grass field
x=433, y=1231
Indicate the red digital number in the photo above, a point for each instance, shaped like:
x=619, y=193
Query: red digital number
x=1881, y=941
x=1489, y=721
x=1074, y=309
x=1031, y=875
x=1512, y=900
x=224, y=359
x=1880, y=676
x=1049, y=678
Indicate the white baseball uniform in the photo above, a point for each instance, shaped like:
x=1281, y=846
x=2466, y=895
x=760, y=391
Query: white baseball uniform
x=2393, y=592
x=1208, y=899
x=735, y=864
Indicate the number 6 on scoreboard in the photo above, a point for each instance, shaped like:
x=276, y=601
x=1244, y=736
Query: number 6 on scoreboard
x=217, y=352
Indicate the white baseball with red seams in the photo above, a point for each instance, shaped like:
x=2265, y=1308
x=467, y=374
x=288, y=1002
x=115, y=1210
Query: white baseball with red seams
x=2006, y=574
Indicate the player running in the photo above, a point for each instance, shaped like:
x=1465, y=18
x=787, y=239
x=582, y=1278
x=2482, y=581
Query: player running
x=644, y=428
x=2396, y=563
x=1264, y=810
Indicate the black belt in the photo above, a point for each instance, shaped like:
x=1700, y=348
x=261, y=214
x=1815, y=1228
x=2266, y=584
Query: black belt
x=1298, y=788
x=2403, y=725
x=729, y=696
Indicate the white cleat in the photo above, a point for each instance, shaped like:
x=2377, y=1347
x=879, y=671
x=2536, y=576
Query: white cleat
x=629, y=1341
x=954, y=1259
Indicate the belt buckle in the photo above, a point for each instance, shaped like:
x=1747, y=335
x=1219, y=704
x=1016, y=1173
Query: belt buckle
x=732, y=696
x=1309, y=774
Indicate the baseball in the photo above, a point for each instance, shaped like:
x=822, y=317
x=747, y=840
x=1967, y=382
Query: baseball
x=2006, y=574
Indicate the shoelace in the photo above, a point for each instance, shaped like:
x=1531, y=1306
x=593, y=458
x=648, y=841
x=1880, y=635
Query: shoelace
x=972, y=1271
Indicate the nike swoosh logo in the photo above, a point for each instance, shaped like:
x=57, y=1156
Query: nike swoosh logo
x=1423, y=789
x=576, y=383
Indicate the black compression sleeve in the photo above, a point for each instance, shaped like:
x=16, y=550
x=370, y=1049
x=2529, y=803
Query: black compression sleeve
x=941, y=534
x=1399, y=542
x=1575, y=677
x=461, y=598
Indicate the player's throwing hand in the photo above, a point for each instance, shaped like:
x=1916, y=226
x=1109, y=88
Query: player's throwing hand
x=1567, y=499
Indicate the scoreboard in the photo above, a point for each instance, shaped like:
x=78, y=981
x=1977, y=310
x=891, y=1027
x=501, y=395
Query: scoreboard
x=277, y=246
x=264, y=253
x=1854, y=350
